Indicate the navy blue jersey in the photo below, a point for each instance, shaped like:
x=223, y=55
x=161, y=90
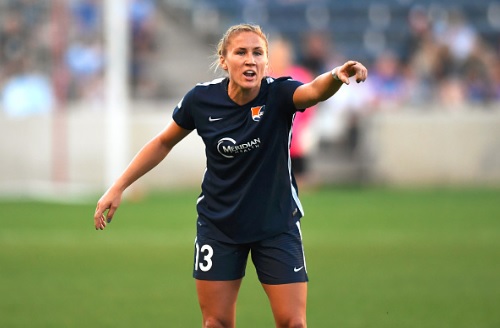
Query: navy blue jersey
x=248, y=190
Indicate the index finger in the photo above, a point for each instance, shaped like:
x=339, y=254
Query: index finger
x=99, y=210
x=361, y=74
x=350, y=63
x=99, y=218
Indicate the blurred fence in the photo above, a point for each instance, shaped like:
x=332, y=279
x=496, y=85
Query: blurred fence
x=408, y=47
x=414, y=148
x=29, y=162
x=408, y=148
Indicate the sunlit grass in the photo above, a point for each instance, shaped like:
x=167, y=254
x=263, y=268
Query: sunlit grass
x=375, y=257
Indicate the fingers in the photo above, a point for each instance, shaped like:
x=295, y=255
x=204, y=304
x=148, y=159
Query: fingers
x=353, y=68
x=106, y=208
x=339, y=74
x=100, y=218
x=361, y=73
x=111, y=213
x=350, y=63
x=99, y=221
x=344, y=78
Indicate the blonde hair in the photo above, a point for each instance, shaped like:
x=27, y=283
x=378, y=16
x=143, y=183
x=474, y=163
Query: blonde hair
x=233, y=30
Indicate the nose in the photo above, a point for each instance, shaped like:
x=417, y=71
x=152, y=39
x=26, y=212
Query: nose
x=250, y=59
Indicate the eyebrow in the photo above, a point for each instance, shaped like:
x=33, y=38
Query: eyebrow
x=256, y=48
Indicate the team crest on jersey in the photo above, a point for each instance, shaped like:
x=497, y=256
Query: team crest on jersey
x=257, y=112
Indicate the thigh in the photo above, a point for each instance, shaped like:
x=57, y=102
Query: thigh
x=288, y=303
x=218, y=302
x=280, y=259
x=218, y=261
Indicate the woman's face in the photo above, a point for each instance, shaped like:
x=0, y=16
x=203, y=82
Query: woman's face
x=245, y=60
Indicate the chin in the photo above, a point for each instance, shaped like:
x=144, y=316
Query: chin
x=250, y=84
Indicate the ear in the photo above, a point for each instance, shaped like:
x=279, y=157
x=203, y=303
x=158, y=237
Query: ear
x=222, y=62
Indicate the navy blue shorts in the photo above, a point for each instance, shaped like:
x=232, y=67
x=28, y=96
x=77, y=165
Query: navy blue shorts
x=277, y=260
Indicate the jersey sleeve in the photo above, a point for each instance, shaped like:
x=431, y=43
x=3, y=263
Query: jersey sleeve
x=287, y=87
x=182, y=114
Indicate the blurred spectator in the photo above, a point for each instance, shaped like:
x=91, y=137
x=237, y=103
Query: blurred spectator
x=451, y=93
x=315, y=52
x=141, y=11
x=388, y=82
x=337, y=122
x=478, y=73
x=85, y=61
x=423, y=71
x=26, y=93
x=13, y=42
x=448, y=52
x=144, y=48
x=282, y=63
x=495, y=74
x=420, y=31
x=457, y=36
x=87, y=17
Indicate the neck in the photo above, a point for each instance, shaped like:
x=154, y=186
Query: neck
x=240, y=95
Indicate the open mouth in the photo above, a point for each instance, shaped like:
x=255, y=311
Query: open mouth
x=249, y=73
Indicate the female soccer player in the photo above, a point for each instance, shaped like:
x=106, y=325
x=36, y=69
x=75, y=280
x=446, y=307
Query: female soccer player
x=249, y=199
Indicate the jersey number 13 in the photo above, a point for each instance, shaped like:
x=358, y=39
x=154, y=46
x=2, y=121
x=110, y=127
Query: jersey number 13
x=206, y=251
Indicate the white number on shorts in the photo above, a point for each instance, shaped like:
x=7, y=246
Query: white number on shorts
x=206, y=258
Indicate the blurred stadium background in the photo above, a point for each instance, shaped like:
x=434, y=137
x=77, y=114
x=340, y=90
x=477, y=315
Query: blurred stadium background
x=428, y=115
x=416, y=246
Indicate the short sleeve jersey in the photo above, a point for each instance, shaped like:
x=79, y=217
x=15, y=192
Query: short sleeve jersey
x=248, y=189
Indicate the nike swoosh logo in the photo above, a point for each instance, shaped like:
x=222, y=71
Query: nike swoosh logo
x=298, y=269
x=211, y=119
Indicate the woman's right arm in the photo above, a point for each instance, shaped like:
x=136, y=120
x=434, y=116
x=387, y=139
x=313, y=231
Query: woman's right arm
x=147, y=158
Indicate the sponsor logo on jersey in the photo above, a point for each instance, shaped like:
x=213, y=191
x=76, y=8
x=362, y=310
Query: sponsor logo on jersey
x=257, y=112
x=228, y=147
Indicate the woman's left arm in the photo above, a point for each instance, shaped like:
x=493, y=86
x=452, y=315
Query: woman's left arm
x=327, y=84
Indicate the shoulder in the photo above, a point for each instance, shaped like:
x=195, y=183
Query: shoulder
x=217, y=81
x=280, y=92
x=283, y=81
x=201, y=91
x=275, y=80
x=209, y=87
x=284, y=84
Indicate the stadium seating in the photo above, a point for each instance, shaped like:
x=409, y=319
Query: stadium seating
x=350, y=22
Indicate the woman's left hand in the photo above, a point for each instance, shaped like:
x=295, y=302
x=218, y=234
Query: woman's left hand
x=350, y=69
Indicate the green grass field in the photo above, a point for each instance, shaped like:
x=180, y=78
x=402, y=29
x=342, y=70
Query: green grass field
x=376, y=258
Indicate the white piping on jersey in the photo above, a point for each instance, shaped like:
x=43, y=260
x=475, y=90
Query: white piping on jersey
x=294, y=191
x=202, y=196
x=200, y=199
x=269, y=80
x=216, y=81
x=303, y=253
